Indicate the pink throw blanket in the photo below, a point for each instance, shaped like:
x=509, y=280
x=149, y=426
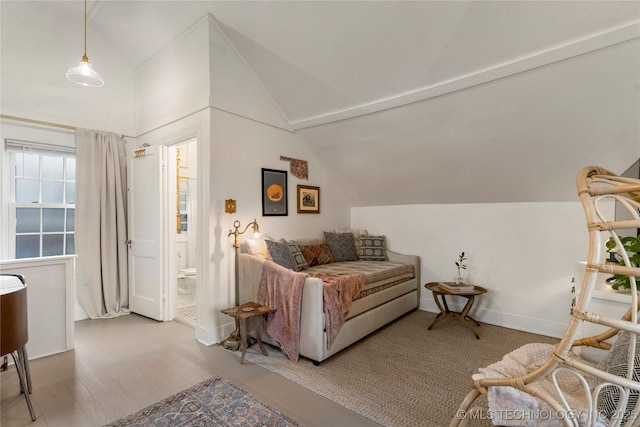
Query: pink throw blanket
x=338, y=292
x=281, y=288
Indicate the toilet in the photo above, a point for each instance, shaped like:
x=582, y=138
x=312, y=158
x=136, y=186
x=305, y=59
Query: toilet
x=187, y=281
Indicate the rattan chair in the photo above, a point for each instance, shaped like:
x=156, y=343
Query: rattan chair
x=546, y=385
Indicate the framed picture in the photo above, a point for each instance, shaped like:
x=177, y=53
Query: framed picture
x=308, y=199
x=274, y=192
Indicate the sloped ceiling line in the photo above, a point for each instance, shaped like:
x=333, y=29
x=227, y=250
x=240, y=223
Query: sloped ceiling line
x=213, y=21
x=518, y=65
x=204, y=20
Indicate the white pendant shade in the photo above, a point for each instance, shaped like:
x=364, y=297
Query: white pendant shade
x=85, y=75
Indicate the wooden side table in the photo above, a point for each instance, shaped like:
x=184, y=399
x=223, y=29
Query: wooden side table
x=246, y=314
x=439, y=294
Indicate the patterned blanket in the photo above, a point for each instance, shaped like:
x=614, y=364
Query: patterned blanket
x=281, y=288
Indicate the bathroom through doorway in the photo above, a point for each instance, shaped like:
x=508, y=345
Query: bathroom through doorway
x=184, y=157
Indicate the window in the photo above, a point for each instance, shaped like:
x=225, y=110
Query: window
x=184, y=223
x=42, y=202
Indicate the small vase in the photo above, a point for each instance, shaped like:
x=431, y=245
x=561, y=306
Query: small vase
x=458, y=279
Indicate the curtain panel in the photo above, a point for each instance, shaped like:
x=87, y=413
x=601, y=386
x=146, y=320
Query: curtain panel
x=101, y=224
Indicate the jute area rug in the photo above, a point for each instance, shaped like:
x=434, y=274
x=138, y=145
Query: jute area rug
x=403, y=374
x=214, y=402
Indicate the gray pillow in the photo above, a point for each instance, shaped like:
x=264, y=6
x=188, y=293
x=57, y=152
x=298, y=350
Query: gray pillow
x=616, y=362
x=298, y=258
x=281, y=254
x=342, y=246
x=373, y=248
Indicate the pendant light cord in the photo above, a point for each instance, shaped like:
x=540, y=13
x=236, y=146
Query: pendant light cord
x=85, y=31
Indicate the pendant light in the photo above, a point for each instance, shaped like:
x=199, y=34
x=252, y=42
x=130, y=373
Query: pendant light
x=84, y=73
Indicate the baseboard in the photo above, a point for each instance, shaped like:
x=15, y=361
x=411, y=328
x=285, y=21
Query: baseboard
x=509, y=320
x=211, y=336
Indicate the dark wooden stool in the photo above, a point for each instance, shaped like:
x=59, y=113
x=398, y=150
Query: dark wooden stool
x=246, y=313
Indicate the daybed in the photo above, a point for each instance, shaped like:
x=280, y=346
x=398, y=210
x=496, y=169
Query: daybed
x=391, y=289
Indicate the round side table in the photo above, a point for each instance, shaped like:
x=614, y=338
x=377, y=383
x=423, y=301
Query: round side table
x=439, y=296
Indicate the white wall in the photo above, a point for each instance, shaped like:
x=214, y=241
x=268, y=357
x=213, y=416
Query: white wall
x=241, y=147
x=248, y=134
x=244, y=147
x=525, y=254
x=234, y=86
x=174, y=82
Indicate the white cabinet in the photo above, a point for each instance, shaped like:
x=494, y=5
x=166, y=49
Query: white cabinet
x=50, y=301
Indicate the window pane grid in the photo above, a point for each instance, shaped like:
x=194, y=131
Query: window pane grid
x=44, y=197
x=41, y=178
x=43, y=242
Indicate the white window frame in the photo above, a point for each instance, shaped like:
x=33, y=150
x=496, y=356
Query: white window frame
x=9, y=205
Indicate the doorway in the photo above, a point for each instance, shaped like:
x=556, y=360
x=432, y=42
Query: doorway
x=183, y=230
x=163, y=223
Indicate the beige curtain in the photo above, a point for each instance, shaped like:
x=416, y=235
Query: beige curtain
x=101, y=224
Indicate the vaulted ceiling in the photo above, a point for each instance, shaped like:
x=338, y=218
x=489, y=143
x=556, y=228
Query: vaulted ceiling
x=422, y=101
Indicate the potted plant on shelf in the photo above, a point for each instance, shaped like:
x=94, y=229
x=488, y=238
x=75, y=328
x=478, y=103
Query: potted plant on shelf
x=631, y=246
x=460, y=266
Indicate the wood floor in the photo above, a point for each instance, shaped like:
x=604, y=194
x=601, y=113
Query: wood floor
x=121, y=365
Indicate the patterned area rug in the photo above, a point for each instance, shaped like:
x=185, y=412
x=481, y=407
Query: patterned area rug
x=214, y=402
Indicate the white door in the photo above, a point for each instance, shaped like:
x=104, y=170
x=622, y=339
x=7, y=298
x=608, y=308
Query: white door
x=146, y=216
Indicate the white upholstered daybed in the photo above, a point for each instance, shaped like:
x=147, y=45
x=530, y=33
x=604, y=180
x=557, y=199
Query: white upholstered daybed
x=391, y=289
